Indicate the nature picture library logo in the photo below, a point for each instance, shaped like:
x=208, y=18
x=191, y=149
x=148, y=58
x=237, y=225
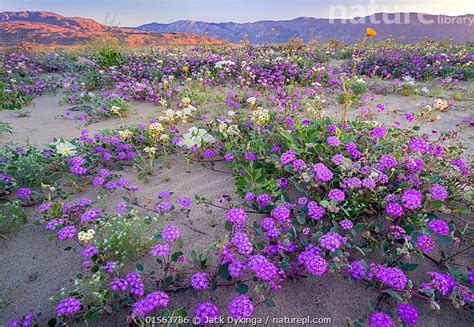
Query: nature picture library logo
x=393, y=14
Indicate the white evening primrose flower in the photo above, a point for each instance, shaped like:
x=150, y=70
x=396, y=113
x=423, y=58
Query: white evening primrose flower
x=66, y=149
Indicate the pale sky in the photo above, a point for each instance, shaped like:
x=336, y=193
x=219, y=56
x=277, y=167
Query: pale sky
x=137, y=12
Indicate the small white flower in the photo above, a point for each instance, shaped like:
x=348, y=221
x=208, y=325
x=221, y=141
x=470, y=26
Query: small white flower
x=66, y=149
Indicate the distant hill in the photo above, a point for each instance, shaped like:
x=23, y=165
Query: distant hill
x=411, y=28
x=48, y=29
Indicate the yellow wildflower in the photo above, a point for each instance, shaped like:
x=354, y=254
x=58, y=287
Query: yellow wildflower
x=370, y=32
x=150, y=151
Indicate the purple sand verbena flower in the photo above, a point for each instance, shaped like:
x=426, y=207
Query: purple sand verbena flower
x=68, y=306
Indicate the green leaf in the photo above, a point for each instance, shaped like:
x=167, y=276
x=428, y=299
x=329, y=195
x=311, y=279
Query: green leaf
x=242, y=288
x=269, y=303
x=395, y=295
x=228, y=226
x=180, y=313
x=324, y=203
x=301, y=219
x=195, y=257
x=385, y=246
x=284, y=265
x=358, y=227
x=437, y=204
x=444, y=239
x=409, y=266
x=462, y=211
x=224, y=271
x=176, y=255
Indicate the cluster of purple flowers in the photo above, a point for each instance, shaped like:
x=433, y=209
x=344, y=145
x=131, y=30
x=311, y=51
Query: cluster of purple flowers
x=333, y=141
x=282, y=183
x=241, y=307
x=118, y=284
x=134, y=280
x=206, y=312
x=164, y=194
x=470, y=276
x=24, y=321
x=24, y=192
x=170, y=233
x=357, y=270
x=121, y=206
x=68, y=306
x=91, y=215
x=262, y=267
x=426, y=243
x=315, y=211
x=160, y=250
x=338, y=159
x=288, y=157
x=438, y=192
x=442, y=282
x=45, y=206
x=379, y=132
x=380, y=319
x=250, y=156
x=407, y=314
x=156, y=299
x=315, y=264
x=362, y=175
x=237, y=216
x=369, y=183
x=386, y=162
x=394, y=209
x=351, y=182
x=249, y=196
x=332, y=241
x=298, y=164
x=185, y=202
x=411, y=199
x=390, y=276
x=110, y=266
x=346, y=224
x=269, y=225
x=237, y=268
x=89, y=251
x=76, y=164
x=199, y=281
x=242, y=242
x=208, y=153
x=66, y=232
x=163, y=207
x=281, y=213
x=264, y=199
x=336, y=195
x=323, y=173
x=351, y=148
x=418, y=145
x=229, y=157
